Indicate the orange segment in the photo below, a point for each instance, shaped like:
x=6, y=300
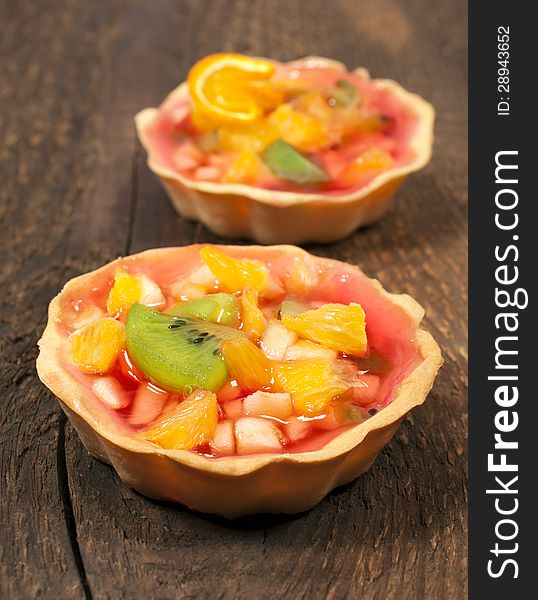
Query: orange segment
x=313, y=384
x=235, y=274
x=245, y=167
x=247, y=364
x=126, y=290
x=95, y=347
x=129, y=289
x=254, y=323
x=367, y=164
x=298, y=128
x=227, y=87
x=190, y=424
x=335, y=326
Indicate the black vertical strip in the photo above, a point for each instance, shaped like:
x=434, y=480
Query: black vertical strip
x=502, y=312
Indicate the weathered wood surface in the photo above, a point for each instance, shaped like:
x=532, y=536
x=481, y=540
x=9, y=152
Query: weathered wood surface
x=75, y=192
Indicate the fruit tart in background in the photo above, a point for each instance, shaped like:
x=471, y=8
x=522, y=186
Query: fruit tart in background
x=284, y=152
x=235, y=380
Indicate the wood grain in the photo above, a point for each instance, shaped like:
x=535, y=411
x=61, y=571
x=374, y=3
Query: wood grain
x=76, y=192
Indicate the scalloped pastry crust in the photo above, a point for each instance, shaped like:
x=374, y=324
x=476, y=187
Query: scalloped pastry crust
x=282, y=217
x=233, y=486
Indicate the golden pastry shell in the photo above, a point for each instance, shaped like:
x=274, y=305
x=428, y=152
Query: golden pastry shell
x=281, y=217
x=233, y=486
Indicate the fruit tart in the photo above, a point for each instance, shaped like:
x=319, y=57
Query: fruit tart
x=235, y=380
x=284, y=152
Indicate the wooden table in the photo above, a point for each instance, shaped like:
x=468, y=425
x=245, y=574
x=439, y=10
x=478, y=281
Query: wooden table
x=75, y=192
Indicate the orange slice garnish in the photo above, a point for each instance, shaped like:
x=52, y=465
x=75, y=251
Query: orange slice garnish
x=228, y=88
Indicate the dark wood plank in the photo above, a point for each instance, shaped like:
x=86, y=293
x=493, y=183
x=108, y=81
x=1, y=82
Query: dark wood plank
x=397, y=532
x=50, y=78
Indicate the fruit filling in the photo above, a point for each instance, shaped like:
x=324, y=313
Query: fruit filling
x=274, y=354
x=304, y=127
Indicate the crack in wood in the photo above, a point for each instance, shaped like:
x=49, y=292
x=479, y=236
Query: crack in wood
x=67, y=507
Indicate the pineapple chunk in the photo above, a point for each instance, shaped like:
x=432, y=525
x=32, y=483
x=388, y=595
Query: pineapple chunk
x=276, y=339
x=257, y=436
x=110, y=392
x=224, y=440
x=268, y=404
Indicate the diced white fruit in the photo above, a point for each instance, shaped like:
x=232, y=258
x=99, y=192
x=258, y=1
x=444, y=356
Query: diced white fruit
x=151, y=294
x=296, y=430
x=190, y=291
x=233, y=409
x=203, y=276
x=224, y=439
x=303, y=350
x=268, y=404
x=194, y=286
x=276, y=339
x=110, y=392
x=148, y=404
x=86, y=315
x=257, y=435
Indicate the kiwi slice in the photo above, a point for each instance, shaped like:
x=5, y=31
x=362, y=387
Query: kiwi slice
x=287, y=162
x=215, y=308
x=177, y=352
x=344, y=92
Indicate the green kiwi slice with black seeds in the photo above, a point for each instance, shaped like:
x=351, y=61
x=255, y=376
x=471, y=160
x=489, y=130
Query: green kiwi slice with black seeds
x=217, y=308
x=178, y=353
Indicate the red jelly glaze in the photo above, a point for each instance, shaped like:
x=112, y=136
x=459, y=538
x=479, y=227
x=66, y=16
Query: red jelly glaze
x=172, y=124
x=390, y=331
